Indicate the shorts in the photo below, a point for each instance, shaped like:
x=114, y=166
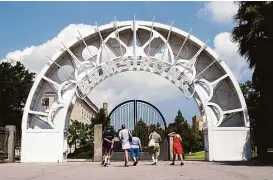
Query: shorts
x=155, y=150
x=126, y=146
x=135, y=152
x=107, y=151
x=106, y=148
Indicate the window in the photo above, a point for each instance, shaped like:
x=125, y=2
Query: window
x=45, y=102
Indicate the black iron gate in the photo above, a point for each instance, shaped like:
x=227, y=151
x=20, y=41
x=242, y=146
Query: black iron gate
x=140, y=117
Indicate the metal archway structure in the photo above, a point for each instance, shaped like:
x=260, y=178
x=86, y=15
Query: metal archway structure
x=124, y=46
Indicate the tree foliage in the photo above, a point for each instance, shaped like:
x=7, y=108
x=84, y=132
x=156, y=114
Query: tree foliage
x=192, y=139
x=252, y=97
x=254, y=33
x=79, y=134
x=102, y=118
x=179, y=118
x=143, y=131
x=15, y=84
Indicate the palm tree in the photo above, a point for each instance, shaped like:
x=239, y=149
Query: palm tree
x=254, y=33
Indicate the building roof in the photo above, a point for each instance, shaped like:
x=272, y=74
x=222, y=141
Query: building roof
x=89, y=103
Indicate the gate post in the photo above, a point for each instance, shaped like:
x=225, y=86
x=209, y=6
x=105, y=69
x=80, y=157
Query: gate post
x=11, y=142
x=97, y=142
x=164, y=150
x=171, y=148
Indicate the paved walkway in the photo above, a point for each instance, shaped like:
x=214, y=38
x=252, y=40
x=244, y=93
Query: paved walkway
x=192, y=170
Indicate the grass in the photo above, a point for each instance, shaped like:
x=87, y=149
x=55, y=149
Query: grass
x=201, y=155
x=198, y=155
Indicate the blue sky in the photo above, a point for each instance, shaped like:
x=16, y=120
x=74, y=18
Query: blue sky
x=32, y=23
x=26, y=24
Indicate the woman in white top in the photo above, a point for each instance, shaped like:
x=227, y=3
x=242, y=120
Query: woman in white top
x=125, y=136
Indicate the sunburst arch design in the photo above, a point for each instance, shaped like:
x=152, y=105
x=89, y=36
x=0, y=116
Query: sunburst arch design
x=125, y=46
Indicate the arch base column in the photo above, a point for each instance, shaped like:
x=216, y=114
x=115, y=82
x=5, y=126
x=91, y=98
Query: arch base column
x=42, y=145
x=228, y=144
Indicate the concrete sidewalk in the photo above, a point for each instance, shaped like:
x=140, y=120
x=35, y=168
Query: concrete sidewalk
x=192, y=170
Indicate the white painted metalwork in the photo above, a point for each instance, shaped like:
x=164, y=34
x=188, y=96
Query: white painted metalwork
x=68, y=74
x=117, y=36
x=183, y=44
x=151, y=34
x=94, y=63
x=216, y=92
x=208, y=67
x=102, y=41
x=167, y=40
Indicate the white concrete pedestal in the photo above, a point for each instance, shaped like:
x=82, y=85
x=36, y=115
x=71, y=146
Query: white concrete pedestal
x=227, y=144
x=42, y=145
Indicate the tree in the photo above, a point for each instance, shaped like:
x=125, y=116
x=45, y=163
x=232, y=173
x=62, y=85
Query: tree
x=192, y=139
x=196, y=140
x=81, y=137
x=79, y=134
x=252, y=97
x=75, y=133
x=179, y=117
x=102, y=118
x=142, y=131
x=254, y=33
x=15, y=84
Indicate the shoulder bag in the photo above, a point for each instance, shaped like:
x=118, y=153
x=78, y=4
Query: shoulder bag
x=151, y=142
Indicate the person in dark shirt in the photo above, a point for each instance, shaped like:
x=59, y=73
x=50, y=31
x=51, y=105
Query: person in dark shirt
x=107, y=145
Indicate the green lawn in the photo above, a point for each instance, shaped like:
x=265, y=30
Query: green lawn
x=197, y=155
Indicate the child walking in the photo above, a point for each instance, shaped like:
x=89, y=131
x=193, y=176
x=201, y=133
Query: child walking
x=135, y=148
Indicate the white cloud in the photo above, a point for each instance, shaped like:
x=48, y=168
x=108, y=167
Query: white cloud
x=34, y=57
x=219, y=12
x=224, y=45
x=134, y=85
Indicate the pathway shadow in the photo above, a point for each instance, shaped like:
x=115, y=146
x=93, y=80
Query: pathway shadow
x=119, y=166
x=147, y=164
x=242, y=163
x=199, y=160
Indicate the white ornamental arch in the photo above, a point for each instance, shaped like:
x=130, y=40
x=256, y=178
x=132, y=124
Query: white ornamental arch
x=124, y=46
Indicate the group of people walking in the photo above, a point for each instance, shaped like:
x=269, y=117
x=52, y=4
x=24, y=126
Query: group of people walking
x=131, y=143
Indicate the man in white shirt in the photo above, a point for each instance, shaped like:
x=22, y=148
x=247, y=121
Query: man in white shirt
x=155, y=151
x=125, y=136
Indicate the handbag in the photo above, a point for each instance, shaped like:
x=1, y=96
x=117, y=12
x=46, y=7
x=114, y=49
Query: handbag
x=151, y=143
